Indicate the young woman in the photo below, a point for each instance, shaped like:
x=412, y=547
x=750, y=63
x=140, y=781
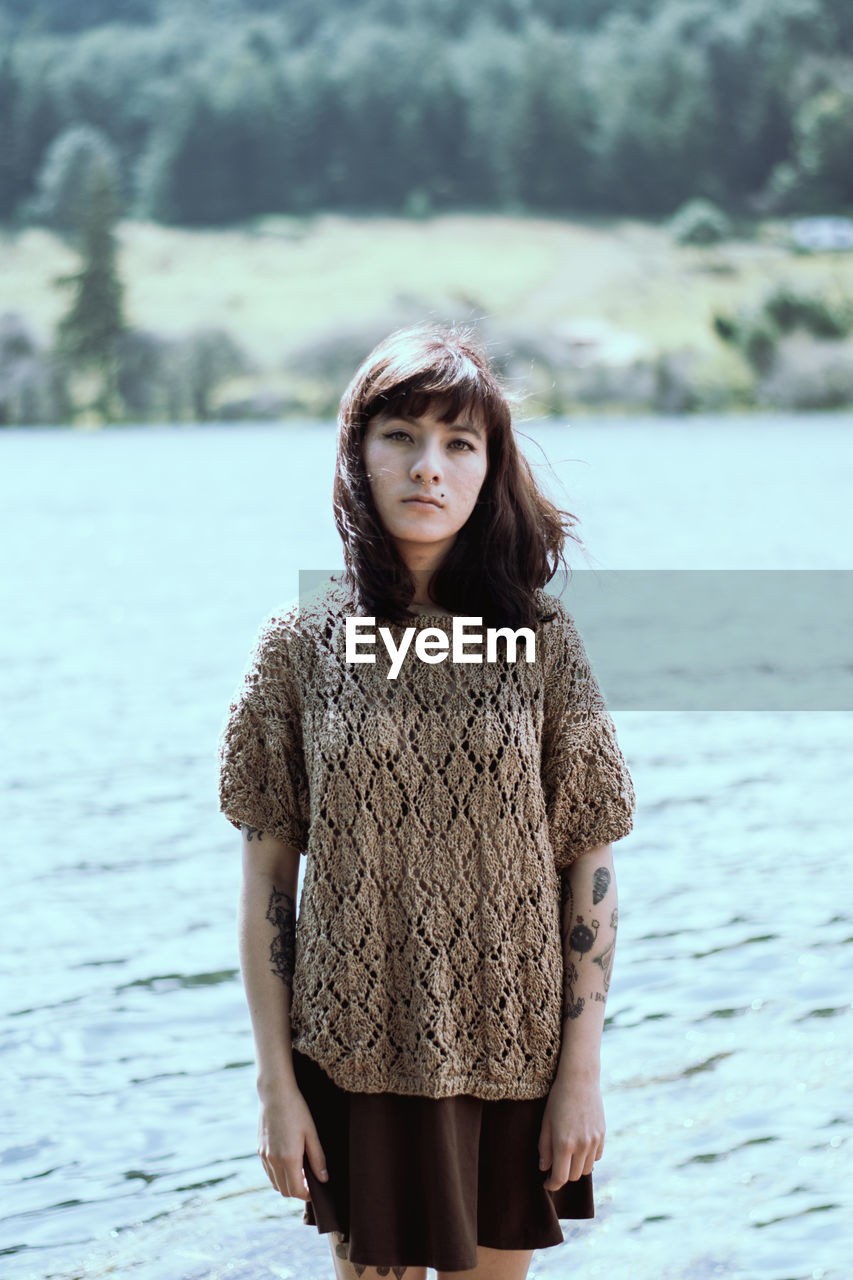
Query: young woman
x=428, y=1034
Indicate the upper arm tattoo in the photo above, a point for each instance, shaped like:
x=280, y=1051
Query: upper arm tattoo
x=600, y=884
x=251, y=832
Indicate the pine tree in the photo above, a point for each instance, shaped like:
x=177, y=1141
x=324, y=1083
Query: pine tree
x=9, y=178
x=87, y=336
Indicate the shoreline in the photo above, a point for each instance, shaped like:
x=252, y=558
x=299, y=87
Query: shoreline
x=588, y=318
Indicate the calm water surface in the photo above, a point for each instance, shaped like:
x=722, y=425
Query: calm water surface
x=138, y=565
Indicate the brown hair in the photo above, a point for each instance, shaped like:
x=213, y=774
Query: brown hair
x=513, y=540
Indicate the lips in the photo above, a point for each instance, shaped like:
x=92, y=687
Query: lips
x=430, y=502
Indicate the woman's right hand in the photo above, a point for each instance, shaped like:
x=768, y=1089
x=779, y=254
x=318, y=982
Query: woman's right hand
x=286, y=1131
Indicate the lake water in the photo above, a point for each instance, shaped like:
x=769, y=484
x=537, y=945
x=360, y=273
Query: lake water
x=138, y=564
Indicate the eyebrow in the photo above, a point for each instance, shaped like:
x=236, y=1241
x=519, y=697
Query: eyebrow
x=470, y=427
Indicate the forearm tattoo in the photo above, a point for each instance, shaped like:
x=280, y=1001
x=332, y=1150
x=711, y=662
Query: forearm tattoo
x=581, y=936
x=604, y=959
x=572, y=1006
x=281, y=914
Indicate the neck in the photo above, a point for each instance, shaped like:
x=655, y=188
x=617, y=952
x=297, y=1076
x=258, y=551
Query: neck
x=422, y=578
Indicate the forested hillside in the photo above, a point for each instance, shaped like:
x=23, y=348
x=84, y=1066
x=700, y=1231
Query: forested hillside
x=215, y=111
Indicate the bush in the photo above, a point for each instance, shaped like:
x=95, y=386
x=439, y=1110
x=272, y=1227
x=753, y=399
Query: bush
x=758, y=341
x=809, y=373
x=757, y=331
x=17, y=341
x=174, y=379
x=32, y=385
x=699, y=222
x=753, y=332
x=725, y=328
x=204, y=358
x=675, y=390
x=790, y=309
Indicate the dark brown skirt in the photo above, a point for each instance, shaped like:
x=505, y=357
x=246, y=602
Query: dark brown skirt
x=416, y=1181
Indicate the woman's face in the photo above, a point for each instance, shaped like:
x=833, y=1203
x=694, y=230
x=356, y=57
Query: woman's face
x=407, y=458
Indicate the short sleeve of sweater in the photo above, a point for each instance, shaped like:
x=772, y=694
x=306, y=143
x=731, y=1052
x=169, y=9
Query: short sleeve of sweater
x=262, y=776
x=589, y=793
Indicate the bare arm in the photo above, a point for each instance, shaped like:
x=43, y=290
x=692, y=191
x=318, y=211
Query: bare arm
x=589, y=916
x=267, y=936
x=573, y=1127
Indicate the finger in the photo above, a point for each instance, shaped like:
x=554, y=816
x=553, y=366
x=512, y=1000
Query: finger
x=545, y=1151
x=316, y=1159
x=578, y=1164
x=277, y=1174
x=282, y=1181
x=560, y=1171
x=587, y=1158
x=296, y=1180
x=270, y=1172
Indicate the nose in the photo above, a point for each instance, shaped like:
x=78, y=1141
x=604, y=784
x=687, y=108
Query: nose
x=426, y=469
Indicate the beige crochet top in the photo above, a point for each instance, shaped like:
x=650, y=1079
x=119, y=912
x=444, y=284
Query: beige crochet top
x=434, y=811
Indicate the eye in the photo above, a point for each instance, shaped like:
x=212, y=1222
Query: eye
x=389, y=435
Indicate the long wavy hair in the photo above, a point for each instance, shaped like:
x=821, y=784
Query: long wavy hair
x=513, y=540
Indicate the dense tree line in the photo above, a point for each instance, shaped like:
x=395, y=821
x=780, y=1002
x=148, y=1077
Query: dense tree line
x=218, y=110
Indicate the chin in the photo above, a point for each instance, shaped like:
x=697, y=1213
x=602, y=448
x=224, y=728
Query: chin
x=422, y=528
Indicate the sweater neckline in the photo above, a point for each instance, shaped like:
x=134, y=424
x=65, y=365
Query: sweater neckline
x=349, y=602
x=417, y=617
x=417, y=613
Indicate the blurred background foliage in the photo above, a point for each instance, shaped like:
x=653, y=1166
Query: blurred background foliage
x=213, y=113
x=217, y=111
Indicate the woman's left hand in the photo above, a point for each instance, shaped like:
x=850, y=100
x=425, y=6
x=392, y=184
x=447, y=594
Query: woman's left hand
x=572, y=1136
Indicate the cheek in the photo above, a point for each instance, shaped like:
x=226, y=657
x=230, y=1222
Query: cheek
x=378, y=462
x=474, y=485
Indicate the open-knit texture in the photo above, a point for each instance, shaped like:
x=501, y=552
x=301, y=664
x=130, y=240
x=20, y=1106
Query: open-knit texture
x=435, y=811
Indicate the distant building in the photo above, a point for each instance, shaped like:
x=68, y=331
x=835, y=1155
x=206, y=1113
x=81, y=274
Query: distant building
x=822, y=234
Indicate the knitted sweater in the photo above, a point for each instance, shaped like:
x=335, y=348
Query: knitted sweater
x=435, y=811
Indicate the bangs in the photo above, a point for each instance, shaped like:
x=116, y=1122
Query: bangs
x=448, y=396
